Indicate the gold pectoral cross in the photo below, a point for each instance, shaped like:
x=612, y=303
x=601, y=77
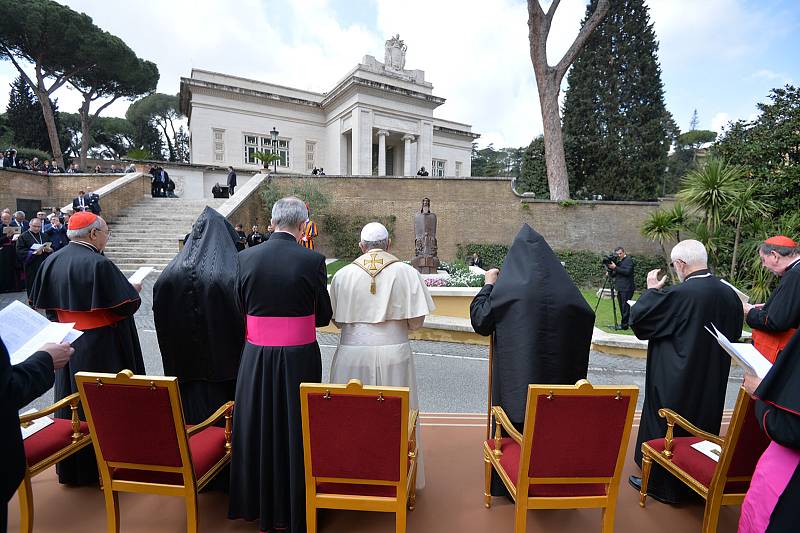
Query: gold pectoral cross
x=372, y=263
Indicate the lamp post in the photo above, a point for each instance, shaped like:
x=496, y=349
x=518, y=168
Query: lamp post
x=274, y=134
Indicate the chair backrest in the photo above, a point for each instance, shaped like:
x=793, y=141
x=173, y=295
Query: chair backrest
x=744, y=442
x=135, y=420
x=577, y=431
x=355, y=432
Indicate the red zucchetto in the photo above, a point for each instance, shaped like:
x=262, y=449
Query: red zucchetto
x=778, y=240
x=81, y=219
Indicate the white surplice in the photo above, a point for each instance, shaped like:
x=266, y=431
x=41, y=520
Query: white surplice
x=374, y=346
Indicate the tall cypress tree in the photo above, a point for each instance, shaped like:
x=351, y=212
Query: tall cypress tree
x=25, y=118
x=617, y=131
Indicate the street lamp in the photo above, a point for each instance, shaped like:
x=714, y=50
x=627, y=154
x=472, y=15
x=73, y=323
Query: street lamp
x=274, y=134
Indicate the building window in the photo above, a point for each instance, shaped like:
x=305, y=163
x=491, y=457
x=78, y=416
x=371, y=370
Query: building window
x=219, y=145
x=311, y=155
x=458, y=169
x=438, y=167
x=263, y=143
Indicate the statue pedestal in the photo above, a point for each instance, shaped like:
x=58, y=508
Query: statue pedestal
x=426, y=264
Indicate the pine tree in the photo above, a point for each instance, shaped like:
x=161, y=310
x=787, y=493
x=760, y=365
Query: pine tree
x=616, y=127
x=25, y=118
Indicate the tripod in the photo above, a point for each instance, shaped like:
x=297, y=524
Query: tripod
x=609, y=282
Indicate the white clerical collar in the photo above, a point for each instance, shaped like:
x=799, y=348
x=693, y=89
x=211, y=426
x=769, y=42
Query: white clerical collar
x=86, y=245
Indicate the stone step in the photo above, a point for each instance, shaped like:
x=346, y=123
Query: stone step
x=157, y=256
x=140, y=261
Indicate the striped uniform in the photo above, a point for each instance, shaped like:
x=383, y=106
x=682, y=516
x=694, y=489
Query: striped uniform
x=308, y=234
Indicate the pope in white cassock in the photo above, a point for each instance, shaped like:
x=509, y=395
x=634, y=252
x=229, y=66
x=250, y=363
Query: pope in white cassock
x=376, y=300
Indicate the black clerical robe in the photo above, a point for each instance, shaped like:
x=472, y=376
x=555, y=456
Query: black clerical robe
x=541, y=323
x=283, y=288
x=687, y=370
x=19, y=385
x=29, y=260
x=9, y=270
x=777, y=410
x=198, y=316
x=78, y=284
x=775, y=322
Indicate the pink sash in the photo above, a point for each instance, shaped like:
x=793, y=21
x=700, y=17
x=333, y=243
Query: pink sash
x=772, y=474
x=281, y=330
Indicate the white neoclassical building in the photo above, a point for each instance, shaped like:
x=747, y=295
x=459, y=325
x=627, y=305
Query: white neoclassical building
x=378, y=120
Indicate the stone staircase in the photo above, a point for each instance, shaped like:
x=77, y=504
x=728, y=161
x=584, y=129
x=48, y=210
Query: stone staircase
x=147, y=233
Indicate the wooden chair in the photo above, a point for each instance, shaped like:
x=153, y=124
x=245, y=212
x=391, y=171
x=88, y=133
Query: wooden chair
x=47, y=447
x=571, y=452
x=359, y=445
x=722, y=482
x=142, y=444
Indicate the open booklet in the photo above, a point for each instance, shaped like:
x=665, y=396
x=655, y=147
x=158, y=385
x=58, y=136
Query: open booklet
x=746, y=354
x=140, y=274
x=24, y=331
x=742, y=296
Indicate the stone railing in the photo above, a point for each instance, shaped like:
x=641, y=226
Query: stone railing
x=121, y=193
x=245, y=207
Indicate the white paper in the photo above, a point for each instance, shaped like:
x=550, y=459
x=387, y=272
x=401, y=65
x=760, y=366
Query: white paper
x=36, y=425
x=139, y=275
x=709, y=449
x=16, y=236
x=744, y=353
x=35, y=246
x=631, y=302
x=24, y=331
x=742, y=296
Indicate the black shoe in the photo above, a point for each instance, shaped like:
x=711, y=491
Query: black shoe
x=636, y=483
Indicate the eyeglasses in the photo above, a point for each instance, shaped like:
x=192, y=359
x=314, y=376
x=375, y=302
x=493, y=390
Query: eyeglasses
x=672, y=264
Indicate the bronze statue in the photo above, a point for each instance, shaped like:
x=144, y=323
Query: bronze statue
x=425, y=260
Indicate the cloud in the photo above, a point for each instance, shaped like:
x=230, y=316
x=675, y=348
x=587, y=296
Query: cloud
x=719, y=122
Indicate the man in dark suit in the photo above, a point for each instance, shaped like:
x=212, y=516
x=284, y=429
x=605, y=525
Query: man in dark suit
x=231, y=180
x=19, y=220
x=94, y=201
x=19, y=385
x=622, y=270
x=80, y=202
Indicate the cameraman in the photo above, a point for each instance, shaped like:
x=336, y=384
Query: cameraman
x=622, y=270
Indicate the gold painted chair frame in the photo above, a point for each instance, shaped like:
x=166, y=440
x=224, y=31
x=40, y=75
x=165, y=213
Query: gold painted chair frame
x=78, y=442
x=405, y=487
x=522, y=504
x=714, y=494
x=188, y=490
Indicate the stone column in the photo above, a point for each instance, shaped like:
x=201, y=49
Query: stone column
x=382, y=152
x=407, y=170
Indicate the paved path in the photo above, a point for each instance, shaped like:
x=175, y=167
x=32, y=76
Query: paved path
x=451, y=377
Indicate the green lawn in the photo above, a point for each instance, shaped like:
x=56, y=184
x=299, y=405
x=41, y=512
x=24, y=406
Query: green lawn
x=336, y=265
x=604, y=315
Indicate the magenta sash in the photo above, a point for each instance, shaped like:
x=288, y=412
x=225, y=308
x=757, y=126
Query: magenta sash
x=281, y=330
x=772, y=475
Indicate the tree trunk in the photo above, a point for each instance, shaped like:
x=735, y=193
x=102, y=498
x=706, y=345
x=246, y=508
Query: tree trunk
x=85, y=128
x=736, y=248
x=557, y=177
x=50, y=122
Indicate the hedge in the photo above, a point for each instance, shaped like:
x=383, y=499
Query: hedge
x=585, y=268
x=345, y=232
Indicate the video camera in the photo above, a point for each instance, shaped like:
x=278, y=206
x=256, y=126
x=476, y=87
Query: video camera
x=608, y=259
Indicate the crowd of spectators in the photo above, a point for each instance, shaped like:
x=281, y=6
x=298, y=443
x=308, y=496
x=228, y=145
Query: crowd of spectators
x=254, y=238
x=47, y=166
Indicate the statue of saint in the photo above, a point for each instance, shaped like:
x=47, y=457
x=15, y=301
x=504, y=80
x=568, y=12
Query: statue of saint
x=425, y=260
x=395, y=54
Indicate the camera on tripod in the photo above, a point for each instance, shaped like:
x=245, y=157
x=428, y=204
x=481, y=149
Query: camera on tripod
x=608, y=259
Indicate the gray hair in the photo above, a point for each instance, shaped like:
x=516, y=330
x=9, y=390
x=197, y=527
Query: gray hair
x=691, y=252
x=84, y=232
x=289, y=212
x=785, y=251
x=383, y=244
x=19, y=214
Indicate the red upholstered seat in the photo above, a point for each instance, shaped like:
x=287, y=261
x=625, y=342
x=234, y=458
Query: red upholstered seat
x=510, y=463
x=387, y=491
x=695, y=463
x=206, y=447
x=50, y=439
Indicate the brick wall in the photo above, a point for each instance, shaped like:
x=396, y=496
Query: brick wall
x=56, y=190
x=482, y=210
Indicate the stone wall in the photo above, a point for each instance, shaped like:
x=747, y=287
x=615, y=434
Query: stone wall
x=482, y=210
x=246, y=207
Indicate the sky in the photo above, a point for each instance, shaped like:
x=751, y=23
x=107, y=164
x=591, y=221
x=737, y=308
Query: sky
x=720, y=57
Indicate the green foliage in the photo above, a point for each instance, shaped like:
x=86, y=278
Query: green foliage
x=533, y=172
x=491, y=162
x=585, y=268
x=344, y=232
x=617, y=131
x=711, y=189
x=139, y=154
x=695, y=138
x=25, y=119
x=158, y=112
x=266, y=158
x=30, y=153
